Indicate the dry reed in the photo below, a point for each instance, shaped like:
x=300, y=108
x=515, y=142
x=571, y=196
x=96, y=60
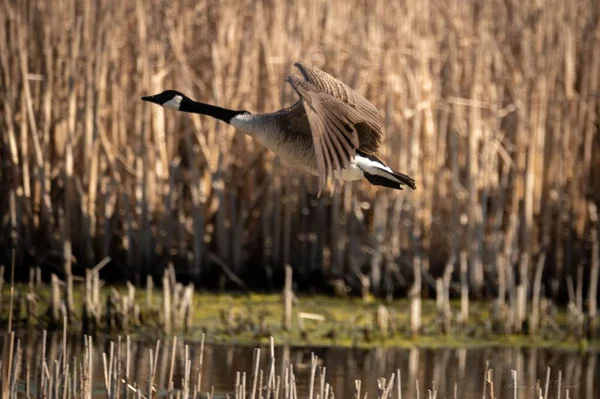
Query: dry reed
x=58, y=366
x=492, y=107
x=61, y=376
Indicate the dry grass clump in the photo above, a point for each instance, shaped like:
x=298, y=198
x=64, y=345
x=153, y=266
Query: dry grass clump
x=492, y=107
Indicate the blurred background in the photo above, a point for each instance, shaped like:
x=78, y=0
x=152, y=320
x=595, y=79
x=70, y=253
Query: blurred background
x=492, y=106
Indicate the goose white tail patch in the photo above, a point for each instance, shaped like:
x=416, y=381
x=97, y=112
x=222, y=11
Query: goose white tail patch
x=375, y=168
x=173, y=103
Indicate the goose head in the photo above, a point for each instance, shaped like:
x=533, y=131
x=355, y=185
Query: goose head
x=171, y=99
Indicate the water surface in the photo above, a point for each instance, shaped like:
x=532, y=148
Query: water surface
x=422, y=369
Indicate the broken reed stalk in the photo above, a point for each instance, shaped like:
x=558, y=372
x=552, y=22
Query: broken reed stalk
x=55, y=301
x=322, y=380
x=288, y=296
x=399, y=384
x=415, y=295
x=464, y=290
x=383, y=318
x=256, y=355
x=172, y=367
x=200, y=363
x=167, y=309
x=537, y=288
x=149, y=291
x=490, y=383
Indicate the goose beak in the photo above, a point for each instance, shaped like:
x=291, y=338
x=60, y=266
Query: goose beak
x=152, y=99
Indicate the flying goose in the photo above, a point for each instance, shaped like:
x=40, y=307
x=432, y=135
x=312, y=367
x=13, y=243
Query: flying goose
x=330, y=129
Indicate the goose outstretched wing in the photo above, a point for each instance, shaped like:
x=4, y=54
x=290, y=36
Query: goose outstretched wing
x=332, y=124
x=370, y=127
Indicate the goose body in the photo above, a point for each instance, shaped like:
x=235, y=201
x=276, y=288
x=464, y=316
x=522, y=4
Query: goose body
x=331, y=131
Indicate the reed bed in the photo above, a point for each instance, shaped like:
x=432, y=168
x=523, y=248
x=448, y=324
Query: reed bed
x=491, y=106
x=124, y=368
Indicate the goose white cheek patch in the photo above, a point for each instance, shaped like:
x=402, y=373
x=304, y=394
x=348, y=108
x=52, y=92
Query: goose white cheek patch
x=173, y=103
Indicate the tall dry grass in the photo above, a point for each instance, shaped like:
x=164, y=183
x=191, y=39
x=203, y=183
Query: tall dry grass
x=492, y=106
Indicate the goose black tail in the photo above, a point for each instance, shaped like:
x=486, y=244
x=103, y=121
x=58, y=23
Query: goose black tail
x=398, y=180
x=379, y=174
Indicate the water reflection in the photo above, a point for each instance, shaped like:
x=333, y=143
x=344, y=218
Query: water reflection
x=442, y=369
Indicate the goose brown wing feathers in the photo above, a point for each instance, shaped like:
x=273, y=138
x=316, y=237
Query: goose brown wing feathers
x=332, y=124
x=370, y=126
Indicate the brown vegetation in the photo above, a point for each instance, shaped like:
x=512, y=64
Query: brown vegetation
x=492, y=106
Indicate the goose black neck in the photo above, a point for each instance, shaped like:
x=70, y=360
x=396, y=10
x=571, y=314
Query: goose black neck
x=223, y=114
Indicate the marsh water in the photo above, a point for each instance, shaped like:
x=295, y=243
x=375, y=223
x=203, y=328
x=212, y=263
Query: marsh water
x=421, y=369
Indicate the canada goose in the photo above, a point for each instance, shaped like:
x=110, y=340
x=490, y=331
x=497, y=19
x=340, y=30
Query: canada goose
x=330, y=129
